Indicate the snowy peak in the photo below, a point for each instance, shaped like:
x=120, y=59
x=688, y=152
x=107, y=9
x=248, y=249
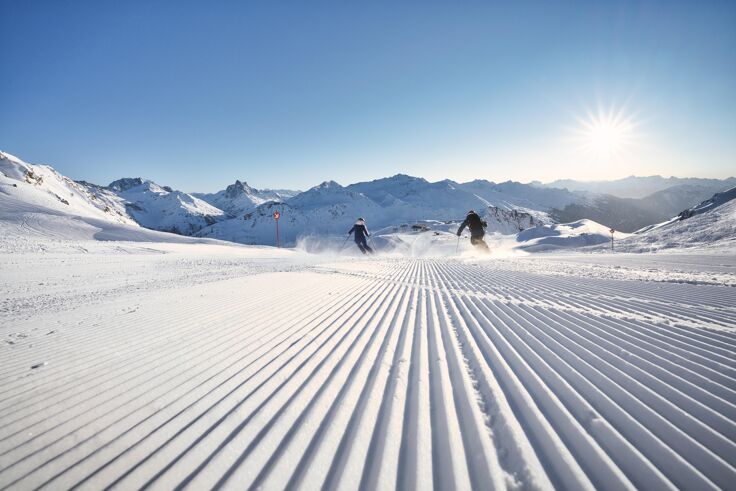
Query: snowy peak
x=711, y=223
x=328, y=185
x=717, y=200
x=29, y=188
x=239, y=189
x=239, y=198
x=638, y=187
x=13, y=167
x=125, y=184
x=511, y=221
x=162, y=208
x=330, y=194
x=479, y=182
x=515, y=195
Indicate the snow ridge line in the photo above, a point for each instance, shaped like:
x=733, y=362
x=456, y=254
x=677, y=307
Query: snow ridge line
x=331, y=339
x=83, y=363
x=405, y=373
x=152, y=360
x=168, y=389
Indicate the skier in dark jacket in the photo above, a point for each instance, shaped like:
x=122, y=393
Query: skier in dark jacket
x=477, y=230
x=360, y=232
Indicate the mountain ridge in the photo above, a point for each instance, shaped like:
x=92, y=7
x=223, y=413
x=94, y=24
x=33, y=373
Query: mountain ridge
x=243, y=213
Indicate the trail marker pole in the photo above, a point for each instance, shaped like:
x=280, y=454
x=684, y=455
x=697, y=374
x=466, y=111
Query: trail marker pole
x=612, y=232
x=276, y=216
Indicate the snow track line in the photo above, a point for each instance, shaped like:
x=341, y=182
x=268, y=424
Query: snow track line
x=355, y=303
x=672, y=388
x=262, y=355
x=379, y=325
x=140, y=347
x=320, y=439
x=400, y=373
x=623, y=426
x=139, y=408
x=680, y=365
x=593, y=459
x=173, y=362
x=378, y=295
x=119, y=335
x=481, y=406
x=201, y=398
x=523, y=288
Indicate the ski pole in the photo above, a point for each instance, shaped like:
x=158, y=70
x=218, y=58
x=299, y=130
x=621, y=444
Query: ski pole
x=457, y=246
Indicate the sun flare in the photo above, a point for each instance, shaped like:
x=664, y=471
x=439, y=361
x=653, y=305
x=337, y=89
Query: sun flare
x=606, y=134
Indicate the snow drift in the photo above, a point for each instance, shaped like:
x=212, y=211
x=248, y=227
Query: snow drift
x=581, y=233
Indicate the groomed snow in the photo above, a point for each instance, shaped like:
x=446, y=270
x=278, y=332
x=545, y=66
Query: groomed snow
x=144, y=364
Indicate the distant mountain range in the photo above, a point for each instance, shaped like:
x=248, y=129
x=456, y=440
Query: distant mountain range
x=711, y=223
x=239, y=198
x=243, y=214
x=640, y=187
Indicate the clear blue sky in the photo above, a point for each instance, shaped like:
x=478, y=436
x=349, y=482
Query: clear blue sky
x=288, y=94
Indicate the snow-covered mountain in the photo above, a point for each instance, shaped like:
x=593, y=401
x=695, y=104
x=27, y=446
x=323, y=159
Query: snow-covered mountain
x=243, y=214
x=450, y=198
x=629, y=214
x=640, y=187
x=510, y=221
x=29, y=188
x=516, y=195
x=411, y=198
x=240, y=198
x=709, y=205
x=325, y=209
x=41, y=210
x=711, y=223
x=331, y=209
x=162, y=208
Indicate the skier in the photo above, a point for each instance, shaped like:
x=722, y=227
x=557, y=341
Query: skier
x=361, y=232
x=477, y=230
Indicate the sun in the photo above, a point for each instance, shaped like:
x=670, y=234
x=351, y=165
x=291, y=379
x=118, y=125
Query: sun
x=606, y=133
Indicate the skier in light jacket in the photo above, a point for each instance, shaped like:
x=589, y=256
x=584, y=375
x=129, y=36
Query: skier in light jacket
x=360, y=232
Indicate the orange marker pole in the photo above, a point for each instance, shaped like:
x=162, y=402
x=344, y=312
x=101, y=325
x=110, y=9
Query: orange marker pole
x=276, y=216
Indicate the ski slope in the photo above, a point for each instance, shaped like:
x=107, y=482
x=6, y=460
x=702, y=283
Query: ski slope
x=198, y=366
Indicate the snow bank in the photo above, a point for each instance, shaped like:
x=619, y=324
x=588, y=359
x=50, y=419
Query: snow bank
x=580, y=233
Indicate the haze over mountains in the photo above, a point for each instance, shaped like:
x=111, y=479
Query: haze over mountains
x=637, y=187
x=243, y=214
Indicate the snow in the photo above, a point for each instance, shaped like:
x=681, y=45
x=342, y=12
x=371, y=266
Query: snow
x=137, y=358
x=161, y=208
x=147, y=363
x=580, y=233
x=710, y=224
x=330, y=208
x=641, y=186
x=28, y=188
x=240, y=198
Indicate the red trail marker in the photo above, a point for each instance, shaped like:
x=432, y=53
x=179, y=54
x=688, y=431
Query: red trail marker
x=276, y=216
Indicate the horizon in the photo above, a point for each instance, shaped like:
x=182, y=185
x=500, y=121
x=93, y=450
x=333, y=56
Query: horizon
x=523, y=93
x=301, y=190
